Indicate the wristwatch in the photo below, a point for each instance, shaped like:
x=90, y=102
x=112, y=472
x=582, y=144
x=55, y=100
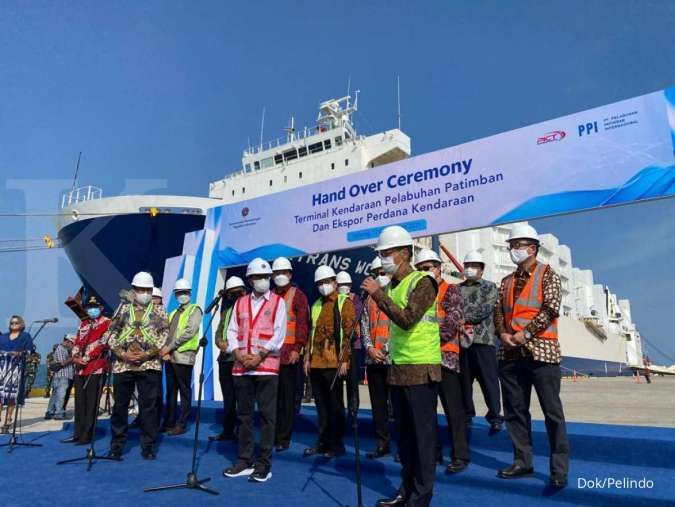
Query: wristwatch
x=527, y=334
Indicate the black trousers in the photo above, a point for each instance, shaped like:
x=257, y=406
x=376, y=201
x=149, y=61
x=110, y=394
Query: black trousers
x=148, y=383
x=288, y=377
x=479, y=362
x=178, y=379
x=450, y=391
x=261, y=390
x=330, y=407
x=416, y=425
x=66, y=399
x=517, y=378
x=229, y=399
x=379, y=402
x=87, y=389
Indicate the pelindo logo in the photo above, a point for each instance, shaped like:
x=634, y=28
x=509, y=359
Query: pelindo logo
x=245, y=212
x=556, y=135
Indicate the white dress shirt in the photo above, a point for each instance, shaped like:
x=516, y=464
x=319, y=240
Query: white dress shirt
x=275, y=343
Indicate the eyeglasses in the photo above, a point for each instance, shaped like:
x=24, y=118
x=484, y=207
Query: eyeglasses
x=517, y=245
x=427, y=267
x=15, y=323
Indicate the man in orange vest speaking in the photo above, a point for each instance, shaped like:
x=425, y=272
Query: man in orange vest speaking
x=375, y=337
x=526, y=320
x=297, y=329
x=255, y=336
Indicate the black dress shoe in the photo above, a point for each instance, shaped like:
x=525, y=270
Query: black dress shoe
x=495, y=427
x=388, y=502
x=311, y=451
x=515, y=472
x=380, y=452
x=558, y=482
x=148, y=454
x=69, y=440
x=456, y=466
x=114, y=454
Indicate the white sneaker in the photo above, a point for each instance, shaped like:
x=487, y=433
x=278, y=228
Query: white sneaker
x=240, y=469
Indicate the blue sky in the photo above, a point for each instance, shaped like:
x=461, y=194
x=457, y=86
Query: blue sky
x=164, y=96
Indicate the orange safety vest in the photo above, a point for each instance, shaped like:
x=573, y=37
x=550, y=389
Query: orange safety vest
x=291, y=318
x=451, y=346
x=519, y=313
x=379, y=325
x=254, y=332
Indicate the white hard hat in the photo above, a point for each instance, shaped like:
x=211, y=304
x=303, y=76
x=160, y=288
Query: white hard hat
x=393, y=236
x=281, y=264
x=156, y=292
x=182, y=284
x=323, y=272
x=376, y=264
x=258, y=266
x=143, y=280
x=523, y=231
x=234, y=281
x=474, y=256
x=344, y=277
x=426, y=255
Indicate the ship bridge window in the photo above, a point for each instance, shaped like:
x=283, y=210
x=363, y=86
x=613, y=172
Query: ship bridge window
x=316, y=147
x=278, y=159
x=326, y=144
x=247, y=167
x=347, y=136
x=302, y=151
x=256, y=165
x=267, y=162
x=338, y=141
x=290, y=154
x=346, y=162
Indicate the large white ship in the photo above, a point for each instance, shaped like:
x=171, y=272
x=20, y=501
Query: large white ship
x=598, y=336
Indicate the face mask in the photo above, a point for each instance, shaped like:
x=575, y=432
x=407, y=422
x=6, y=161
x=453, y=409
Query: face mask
x=281, y=280
x=383, y=281
x=183, y=299
x=326, y=289
x=519, y=256
x=94, y=313
x=388, y=264
x=343, y=289
x=261, y=286
x=143, y=298
x=471, y=273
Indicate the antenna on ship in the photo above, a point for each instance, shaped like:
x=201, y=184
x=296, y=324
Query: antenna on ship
x=349, y=87
x=77, y=171
x=398, y=101
x=290, y=130
x=262, y=128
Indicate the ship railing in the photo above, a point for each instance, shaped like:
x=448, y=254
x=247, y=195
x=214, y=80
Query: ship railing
x=280, y=141
x=81, y=194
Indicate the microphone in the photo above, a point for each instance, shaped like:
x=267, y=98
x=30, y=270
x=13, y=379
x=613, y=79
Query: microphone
x=215, y=301
x=47, y=321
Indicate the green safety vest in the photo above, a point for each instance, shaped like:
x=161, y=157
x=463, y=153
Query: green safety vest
x=141, y=325
x=420, y=344
x=316, y=311
x=192, y=343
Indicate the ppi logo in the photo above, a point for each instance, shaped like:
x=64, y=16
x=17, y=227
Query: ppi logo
x=556, y=135
x=245, y=212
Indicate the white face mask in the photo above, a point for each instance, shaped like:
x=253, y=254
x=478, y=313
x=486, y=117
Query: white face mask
x=343, y=289
x=261, y=286
x=143, y=298
x=383, y=281
x=471, y=273
x=183, y=299
x=388, y=264
x=281, y=280
x=326, y=289
x=519, y=256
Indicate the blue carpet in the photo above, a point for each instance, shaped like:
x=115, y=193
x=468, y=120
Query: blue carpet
x=31, y=477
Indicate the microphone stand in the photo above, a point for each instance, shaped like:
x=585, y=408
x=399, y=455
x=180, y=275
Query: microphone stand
x=193, y=482
x=13, y=441
x=353, y=405
x=91, y=455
